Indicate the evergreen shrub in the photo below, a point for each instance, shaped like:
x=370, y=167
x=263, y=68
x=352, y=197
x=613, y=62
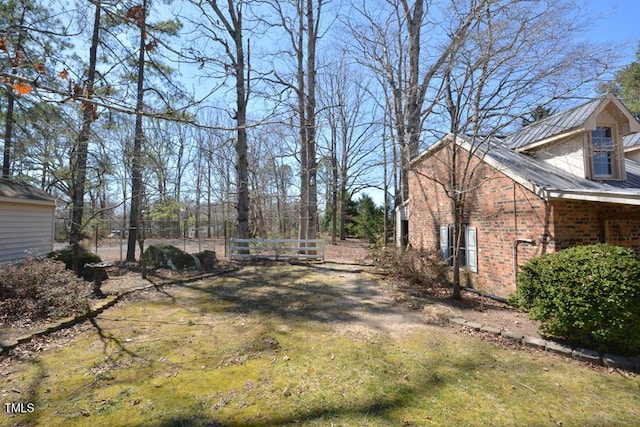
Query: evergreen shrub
x=587, y=295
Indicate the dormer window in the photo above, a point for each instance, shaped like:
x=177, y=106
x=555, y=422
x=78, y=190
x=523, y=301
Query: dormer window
x=605, y=160
x=603, y=152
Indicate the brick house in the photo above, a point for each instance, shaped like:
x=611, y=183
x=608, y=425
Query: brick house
x=570, y=179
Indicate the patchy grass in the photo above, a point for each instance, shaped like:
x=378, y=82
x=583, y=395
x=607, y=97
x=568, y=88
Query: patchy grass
x=290, y=345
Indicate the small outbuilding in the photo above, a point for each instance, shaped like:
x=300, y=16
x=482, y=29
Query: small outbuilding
x=26, y=220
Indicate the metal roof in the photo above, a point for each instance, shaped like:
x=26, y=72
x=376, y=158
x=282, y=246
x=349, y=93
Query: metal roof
x=502, y=153
x=549, y=177
x=12, y=189
x=553, y=125
x=631, y=141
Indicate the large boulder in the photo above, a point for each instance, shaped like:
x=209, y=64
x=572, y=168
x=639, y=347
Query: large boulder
x=86, y=257
x=168, y=256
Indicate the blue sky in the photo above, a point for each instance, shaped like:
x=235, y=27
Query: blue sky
x=617, y=21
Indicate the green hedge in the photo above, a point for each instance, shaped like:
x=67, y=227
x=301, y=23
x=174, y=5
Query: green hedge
x=588, y=295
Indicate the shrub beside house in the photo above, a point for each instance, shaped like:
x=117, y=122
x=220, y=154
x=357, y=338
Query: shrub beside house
x=560, y=182
x=26, y=220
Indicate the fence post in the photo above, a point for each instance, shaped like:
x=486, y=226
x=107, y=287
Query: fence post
x=231, y=247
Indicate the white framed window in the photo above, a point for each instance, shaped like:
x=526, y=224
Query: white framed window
x=605, y=161
x=468, y=246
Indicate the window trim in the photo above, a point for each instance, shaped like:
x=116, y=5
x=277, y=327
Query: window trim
x=616, y=161
x=468, y=252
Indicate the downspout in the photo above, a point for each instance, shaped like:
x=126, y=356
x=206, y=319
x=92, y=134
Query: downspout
x=514, y=250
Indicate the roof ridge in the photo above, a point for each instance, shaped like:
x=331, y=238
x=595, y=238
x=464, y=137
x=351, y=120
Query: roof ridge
x=554, y=124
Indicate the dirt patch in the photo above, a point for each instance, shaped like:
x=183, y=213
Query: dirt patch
x=437, y=306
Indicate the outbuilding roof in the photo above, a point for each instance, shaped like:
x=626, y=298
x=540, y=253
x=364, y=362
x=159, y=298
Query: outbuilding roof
x=12, y=189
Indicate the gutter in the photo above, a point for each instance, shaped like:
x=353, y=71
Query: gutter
x=596, y=196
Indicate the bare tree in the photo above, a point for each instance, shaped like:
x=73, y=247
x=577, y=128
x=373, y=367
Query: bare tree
x=391, y=40
x=301, y=22
x=224, y=24
x=352, y=125
x=515, y=57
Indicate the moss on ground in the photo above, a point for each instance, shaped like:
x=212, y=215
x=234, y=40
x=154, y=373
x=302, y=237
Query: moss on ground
x=257, y=349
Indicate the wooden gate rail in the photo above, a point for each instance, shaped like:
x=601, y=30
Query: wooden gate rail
x=277, y=249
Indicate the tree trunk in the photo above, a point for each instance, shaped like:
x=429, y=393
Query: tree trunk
x=8, y=130
x=304, y=148
x=241, y=143
x=136, y=161
x=79, y=156
x=334, y=186
x=8, y=135
x=312, y=206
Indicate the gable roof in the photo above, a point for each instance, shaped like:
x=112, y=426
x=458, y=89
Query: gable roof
x=576, y=119
x=549, y=182
x=509, y=156
x=13, y=191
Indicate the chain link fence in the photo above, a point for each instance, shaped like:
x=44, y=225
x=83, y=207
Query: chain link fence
x=108, y=238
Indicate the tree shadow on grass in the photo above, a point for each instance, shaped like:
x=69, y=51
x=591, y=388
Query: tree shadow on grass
x=109, y=340
x=308, y=293
x=471, y=300
x=25, y=403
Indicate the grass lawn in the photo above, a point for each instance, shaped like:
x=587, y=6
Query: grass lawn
x=290, y=345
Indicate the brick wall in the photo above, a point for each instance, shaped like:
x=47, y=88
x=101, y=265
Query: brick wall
x=578, y=222
x=502, y=211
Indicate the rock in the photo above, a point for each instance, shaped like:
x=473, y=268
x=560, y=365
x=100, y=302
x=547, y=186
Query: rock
x=86, y=257
x=534, y=342
x=490, y=329
x=559, y=348
x=168, y=256
x=458, y=321
x=473, y=325
x=615, y=361
x=207, y=259
x=587, y=355
x=512, y=336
